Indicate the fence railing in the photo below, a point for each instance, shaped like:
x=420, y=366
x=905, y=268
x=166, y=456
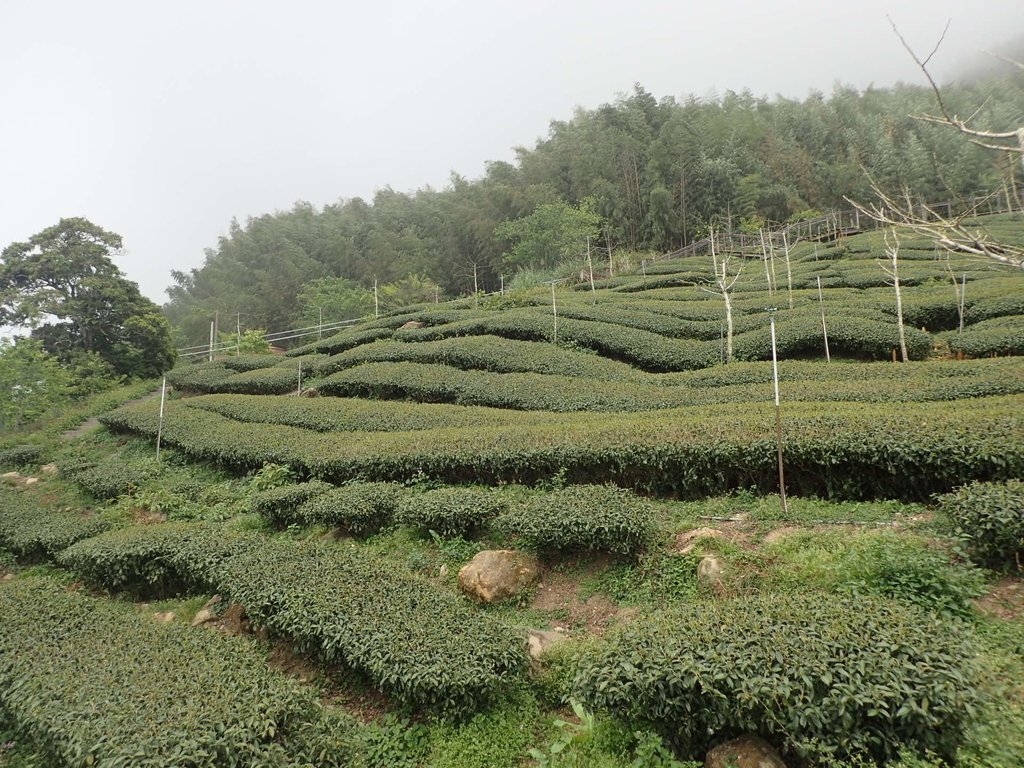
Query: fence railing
x=837, y=223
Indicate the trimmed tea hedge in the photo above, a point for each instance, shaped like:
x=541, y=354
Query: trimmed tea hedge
x=823, y=675
x=117, y=475
x=582, y=517
x=335, y=414
x=988, y=518
x=488, y=353
x=842, y=451
x=451, y=511
x=279, y=506
x=94, y=684
x=157, y=560
x=33, y=532
x=359, y=508
x=20, y=455
x=426, y=647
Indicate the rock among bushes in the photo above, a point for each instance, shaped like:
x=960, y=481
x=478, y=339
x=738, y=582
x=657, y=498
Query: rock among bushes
x=744, y=752
x=497, y=574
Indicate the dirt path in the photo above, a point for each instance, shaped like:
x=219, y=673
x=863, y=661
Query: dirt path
x=92, y=423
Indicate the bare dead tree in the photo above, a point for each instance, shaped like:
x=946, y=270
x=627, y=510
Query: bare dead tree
x=950, y=231
x=720, y=267
x=892, y=269
x=789, y=270
x=764, y=255
x=1011, y=141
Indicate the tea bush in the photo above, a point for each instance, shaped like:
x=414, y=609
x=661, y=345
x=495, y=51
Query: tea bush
x=840, y=677
x=426, y=647
x=359, y=508
x=20, y=455
x=96, y=685
x=451, y=511
x=29, y=530
x=847, y=451
x=279, y=506
x=582, y=517
x=156, y=561
x=988, y=519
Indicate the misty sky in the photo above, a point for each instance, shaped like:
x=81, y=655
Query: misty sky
x=163, y=121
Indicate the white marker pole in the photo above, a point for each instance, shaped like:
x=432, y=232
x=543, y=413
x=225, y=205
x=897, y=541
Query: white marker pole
x=778, y=421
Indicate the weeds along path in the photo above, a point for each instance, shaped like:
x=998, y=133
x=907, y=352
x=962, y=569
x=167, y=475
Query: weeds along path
x=93, y=422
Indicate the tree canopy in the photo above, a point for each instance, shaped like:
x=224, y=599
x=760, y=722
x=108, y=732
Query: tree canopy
x=63, y=284
x=551, y=234
x=661, y=173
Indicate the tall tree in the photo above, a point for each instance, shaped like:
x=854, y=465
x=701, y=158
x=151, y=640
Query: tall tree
x=63, y=284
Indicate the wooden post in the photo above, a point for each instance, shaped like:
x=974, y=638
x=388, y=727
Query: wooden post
x=376, y=302
x=476, y=289
x=643, y=270
x=299, y=391
x=778, y=422
x=320, y=323
x=238, y=333
x=211, y=341
x=824, y=330
x=502, y=285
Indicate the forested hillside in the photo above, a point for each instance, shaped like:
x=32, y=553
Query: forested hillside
x=659, y=173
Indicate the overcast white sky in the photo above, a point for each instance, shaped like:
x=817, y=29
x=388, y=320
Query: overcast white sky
x=161, y=121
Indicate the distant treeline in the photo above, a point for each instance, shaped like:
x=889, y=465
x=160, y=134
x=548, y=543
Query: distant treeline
x=660, y=173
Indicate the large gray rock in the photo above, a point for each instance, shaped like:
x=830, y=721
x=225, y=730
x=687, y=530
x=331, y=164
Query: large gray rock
x=497, y=574
x=711, y=575
x=541, y=639
x=744, y=752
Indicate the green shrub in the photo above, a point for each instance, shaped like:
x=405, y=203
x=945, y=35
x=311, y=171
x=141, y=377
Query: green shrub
x=837, y=677
x=900, y=566
x=279, y=506
x=426, y=647
x=452, y=511
x=116, y=475
x=907, y=451
x=20, y=455
x=582, y=517
x=988, y=519
x=156, y=561
x=36, y=533
x=97, y=685
x=359, y=508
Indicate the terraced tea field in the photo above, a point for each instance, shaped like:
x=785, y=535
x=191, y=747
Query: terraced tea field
x=664, y=599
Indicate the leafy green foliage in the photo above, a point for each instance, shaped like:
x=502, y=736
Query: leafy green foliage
x=988, y=519
x=116, y=475
x=65, y=271
x=882, y=563
x=32, y=381
x=34, y=532
x=840, y=677
x=554, y=232
x=848, y=451
x=98, y=685
x=20, y=455
x=423, y=646
x=359, y=508
x=450, y=512
x=157, y=561
x=582, y=517
x=279, y=506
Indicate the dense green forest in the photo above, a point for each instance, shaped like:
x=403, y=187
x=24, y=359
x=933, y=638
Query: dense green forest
x=659, y=173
